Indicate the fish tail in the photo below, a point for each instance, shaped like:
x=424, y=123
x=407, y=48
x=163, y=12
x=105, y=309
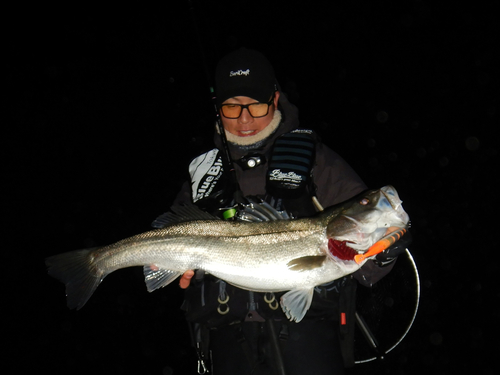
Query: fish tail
x=78, y=271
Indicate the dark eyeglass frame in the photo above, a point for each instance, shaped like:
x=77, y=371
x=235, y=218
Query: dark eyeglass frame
x=247, y=106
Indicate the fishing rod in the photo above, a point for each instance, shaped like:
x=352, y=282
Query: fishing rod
x=226, y=155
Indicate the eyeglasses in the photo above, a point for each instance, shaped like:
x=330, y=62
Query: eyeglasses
x=256, y=110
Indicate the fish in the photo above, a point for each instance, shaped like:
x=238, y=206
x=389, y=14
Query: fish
x=281, y=255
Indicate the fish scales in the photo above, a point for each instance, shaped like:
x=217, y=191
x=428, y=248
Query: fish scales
x=199, y=237
x=265, y=266
x=219, y=255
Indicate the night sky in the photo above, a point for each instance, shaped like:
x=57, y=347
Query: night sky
x=105, y=109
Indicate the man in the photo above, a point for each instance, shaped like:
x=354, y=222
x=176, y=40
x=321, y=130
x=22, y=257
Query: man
x=290, y=168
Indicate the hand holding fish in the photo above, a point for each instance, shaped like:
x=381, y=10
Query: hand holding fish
x=186, y=279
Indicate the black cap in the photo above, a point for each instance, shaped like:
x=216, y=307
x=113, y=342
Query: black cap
x=244, y=72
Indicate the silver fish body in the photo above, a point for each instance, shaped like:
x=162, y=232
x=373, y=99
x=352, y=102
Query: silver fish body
x=270, y=256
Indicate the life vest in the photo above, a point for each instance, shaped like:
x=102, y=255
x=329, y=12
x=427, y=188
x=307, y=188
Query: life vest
x=288, y=177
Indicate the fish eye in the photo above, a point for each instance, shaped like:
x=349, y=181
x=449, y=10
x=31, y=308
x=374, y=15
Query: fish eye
x=364, y=201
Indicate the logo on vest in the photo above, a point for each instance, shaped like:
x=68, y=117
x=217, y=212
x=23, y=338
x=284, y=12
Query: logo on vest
x=207, y=183
x=278, y=175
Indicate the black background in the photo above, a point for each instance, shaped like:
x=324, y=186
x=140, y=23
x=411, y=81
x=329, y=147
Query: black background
x=106, y=107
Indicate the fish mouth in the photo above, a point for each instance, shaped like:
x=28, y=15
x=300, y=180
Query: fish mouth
x=390, y=217
x=348, y=251
x=393, y=199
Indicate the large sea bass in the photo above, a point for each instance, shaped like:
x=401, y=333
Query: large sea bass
x=270, y=256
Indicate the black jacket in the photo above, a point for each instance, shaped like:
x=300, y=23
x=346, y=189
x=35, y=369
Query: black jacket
x=334, y=179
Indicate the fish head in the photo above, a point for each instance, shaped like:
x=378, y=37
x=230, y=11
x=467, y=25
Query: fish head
x=365, y=219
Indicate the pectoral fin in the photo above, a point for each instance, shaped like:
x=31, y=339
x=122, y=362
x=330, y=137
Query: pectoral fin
x=295, y=303
x=158, y=277
x=306, y=263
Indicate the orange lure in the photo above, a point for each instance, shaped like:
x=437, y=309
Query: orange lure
x=380, y=245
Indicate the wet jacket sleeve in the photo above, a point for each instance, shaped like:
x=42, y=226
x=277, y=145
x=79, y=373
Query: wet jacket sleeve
x=335, y=180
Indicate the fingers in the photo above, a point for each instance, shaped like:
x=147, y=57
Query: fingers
x=186, y=279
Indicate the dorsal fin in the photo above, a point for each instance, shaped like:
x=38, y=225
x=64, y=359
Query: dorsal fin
x=256, y=210
x=180, y=214
x=259, y=210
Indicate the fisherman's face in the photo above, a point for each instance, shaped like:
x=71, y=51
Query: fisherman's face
x=246, y=125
